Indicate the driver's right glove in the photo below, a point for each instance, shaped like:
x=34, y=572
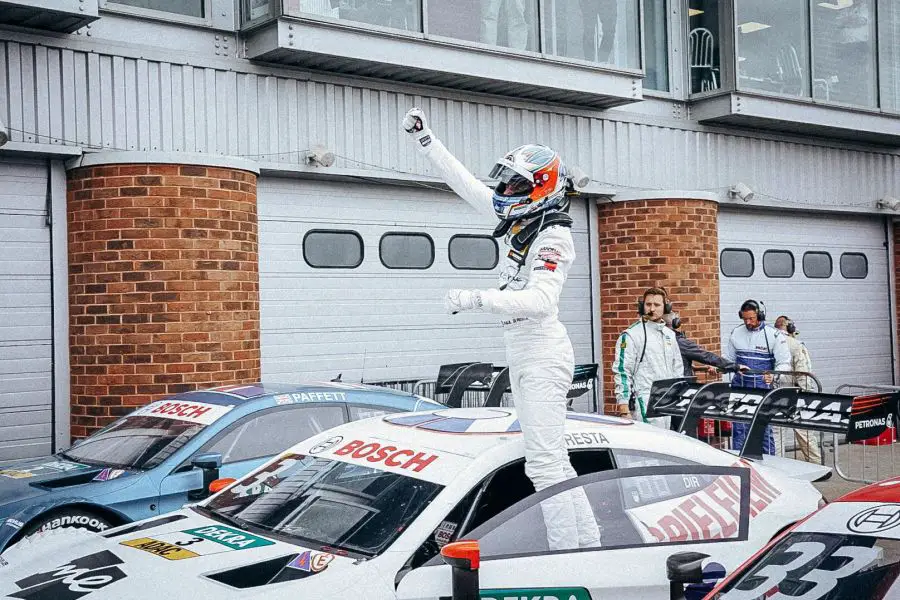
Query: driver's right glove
x=414, y=123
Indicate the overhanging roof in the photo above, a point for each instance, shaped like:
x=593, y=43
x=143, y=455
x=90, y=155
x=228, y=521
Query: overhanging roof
x=798, y=116
x=64, y=16
x=328, y=47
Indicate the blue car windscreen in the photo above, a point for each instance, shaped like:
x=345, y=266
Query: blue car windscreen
x=134, y=442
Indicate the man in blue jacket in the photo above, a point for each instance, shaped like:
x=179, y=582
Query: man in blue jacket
x=760, y=347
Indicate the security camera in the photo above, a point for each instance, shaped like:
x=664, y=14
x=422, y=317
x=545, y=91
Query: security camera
x=579, y=178
x=742, y=191
x=889, y=203
x=320, y=156
x=4, y=134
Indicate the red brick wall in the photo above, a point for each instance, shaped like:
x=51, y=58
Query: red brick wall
x=673, y=243
x=163, y=285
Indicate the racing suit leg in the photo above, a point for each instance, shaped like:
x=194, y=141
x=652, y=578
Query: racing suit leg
x=539, y=390
x=739, y=433
x=808, y=445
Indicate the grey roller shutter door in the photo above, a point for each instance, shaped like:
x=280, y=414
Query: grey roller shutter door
x=372, y=322
x=26, y=398
x=845, y=323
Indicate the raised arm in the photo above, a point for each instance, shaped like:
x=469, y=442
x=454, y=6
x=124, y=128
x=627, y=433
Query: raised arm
x=457, y=176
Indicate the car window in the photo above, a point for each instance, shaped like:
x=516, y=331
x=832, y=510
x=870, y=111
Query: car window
x=821, y=566
x=354, y=508
x=633, y=507
x=362, y=411
x=273, y=431
x=626, y=458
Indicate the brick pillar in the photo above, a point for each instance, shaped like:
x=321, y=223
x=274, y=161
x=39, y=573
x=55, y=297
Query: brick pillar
x=659, y=241
x=163, y=283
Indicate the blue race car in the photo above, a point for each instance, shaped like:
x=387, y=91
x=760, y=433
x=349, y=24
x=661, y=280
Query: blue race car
x=167, y=453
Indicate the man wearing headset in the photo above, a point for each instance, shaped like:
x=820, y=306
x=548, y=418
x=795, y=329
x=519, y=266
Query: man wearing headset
x=759, y=347
x=531, y=202
x=807, y=442
x=645, y=352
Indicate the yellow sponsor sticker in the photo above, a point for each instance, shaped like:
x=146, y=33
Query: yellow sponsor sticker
x=16, y=474
x=164, y=549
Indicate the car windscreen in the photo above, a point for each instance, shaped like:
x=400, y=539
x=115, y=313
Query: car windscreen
x=822, y=566
x=327, y=503
x=148, y=436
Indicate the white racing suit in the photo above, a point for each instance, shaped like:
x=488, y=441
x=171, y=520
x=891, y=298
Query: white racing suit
x=538, y=351
x=645, y=352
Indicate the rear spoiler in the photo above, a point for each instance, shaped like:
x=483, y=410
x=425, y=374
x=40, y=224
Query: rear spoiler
x=458, y=378
x=858, y=417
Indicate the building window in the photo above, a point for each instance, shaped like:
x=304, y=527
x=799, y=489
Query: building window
x=854, y=265
x=332, y=249
x=510, y=24
x=772, y=39
x=844, y=62
x=704, y=44
x=817, y=265
x=778, y=263
x=889, y=53
x=736, y=262
x=406, y=250
x=598, y=31
x=392, y=13
x=656, y=46
x=473, y=252
x=190, y=8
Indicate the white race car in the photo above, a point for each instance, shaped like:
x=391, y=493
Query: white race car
x=362, y=510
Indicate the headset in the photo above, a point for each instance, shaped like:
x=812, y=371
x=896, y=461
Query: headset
x=667, y=306
x=789, y=326
x=759, y=307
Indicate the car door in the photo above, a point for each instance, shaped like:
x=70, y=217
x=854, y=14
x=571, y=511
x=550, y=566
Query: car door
x=646, y=515
x=249, y=442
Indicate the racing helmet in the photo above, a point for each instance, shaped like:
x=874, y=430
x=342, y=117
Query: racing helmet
x=531, y=179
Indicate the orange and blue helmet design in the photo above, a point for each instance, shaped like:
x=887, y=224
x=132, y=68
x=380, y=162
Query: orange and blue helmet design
x=531, y=179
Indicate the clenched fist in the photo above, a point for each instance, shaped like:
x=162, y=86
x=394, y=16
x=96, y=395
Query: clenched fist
x=459, y=300
x=414, y=123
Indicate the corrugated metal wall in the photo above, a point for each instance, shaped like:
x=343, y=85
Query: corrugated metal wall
x=54, y=95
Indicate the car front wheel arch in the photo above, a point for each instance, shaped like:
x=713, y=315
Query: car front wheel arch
x=84, y=516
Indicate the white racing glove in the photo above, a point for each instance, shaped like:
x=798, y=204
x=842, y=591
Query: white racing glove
x=414, y=123
x=459, y=300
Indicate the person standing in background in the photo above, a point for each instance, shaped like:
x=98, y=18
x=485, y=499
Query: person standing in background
x=692, y=351
x=807, y=441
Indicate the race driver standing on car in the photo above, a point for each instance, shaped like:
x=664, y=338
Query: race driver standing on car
x=530, y=201
x=760, y=347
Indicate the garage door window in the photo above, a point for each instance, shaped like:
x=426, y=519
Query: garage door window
x=854, y=265
x=475, y=252
x=406, y=250
x=817, y=265
x=332, y=249
x=736, y=262
x=778, y=263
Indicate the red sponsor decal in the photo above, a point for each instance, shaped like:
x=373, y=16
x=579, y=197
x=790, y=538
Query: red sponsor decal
x=713, y=512
x=391, y=456
x=181, y=409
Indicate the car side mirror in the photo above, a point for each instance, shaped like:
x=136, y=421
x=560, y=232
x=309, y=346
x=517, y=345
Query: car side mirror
x=209, y=464
x=683, y=568
x=464, y=557
x=220, y=484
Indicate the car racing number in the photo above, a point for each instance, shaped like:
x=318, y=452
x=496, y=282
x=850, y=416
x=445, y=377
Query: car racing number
x=769, y=578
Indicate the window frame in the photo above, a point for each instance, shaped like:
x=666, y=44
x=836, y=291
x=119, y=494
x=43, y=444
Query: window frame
x=865, y=261
x=752, y=262
x=356, y=234
x=476, y=236
x=830, y=263
x=408, y=234
x=209, y=7
x=185, y=465
x=779, y=251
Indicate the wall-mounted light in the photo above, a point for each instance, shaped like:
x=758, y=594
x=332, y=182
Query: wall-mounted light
x=888, y=203
x=319, y=156
x=838, y=5
x=742, y=191
x=4, y=134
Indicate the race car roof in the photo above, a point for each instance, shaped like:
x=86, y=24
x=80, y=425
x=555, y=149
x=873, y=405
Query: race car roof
x=235, y=394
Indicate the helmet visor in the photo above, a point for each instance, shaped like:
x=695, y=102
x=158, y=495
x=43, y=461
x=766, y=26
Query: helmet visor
x=511, y=183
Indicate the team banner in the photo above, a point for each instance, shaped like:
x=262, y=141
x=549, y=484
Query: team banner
x=859, y=417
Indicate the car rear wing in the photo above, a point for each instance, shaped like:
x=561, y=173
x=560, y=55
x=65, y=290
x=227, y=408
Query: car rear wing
x=457, y=379
x=858, y=417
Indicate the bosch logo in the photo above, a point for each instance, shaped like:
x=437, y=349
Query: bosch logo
x=326, y=445
x=876, y=519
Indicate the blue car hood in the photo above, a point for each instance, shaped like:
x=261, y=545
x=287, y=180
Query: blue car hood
x=23, y=479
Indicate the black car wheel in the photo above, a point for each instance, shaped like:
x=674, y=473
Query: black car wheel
x=67, y=518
